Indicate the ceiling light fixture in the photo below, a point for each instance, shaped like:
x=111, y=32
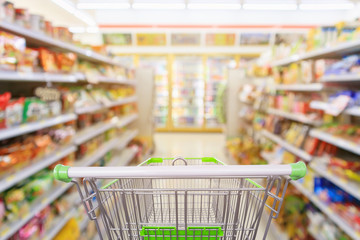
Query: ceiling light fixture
x=214, y=6
x=103, y=5
x=274, y=6
x=69, y=6
x=326, y=6
x=77, y=29
x=159, y=6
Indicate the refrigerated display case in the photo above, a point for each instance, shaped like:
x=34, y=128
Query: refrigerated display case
x=160, y=66
x=217, y=68
x=188, y=89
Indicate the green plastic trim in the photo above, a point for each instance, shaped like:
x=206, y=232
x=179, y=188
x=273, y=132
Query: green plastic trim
x=209, y=159
x=109, y=184
x=192, y=233
x=61, y=173
x=154, y=160
x=298, y=170
x=254, y=183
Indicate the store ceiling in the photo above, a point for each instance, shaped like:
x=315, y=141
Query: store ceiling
x=89, y=14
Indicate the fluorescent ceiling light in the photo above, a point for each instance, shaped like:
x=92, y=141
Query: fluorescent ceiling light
x=214, y=6
x=69, y=6
x=92, y=29
x=326, y=6
x=267, y=6
x=103, y=5
x=159, y=6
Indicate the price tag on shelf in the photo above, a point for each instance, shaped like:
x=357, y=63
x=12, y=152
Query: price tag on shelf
x=57, y=154
x=24, y=126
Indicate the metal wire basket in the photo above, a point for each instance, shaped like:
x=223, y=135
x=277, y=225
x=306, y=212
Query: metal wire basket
x=177, y=198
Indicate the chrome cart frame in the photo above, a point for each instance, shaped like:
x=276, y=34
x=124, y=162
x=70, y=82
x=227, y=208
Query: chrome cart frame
x=190, y=199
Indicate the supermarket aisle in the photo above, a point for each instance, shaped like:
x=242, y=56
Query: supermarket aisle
x=190, y=145
x=195, y=145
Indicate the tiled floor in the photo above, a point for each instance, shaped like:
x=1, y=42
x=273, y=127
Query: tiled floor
x=196, y=145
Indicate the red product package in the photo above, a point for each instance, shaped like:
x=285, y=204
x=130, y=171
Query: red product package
x=4, y=100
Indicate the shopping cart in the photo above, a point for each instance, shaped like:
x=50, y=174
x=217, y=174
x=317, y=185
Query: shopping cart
x=181, y=199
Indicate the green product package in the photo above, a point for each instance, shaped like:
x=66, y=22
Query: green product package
x=34, y=110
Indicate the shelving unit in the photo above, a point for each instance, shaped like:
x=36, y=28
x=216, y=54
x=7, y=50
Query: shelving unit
x=116, y=143
x=8, y=229
x=351, y=187
x=319, y=105
x=43, y=40
x=341, y=79
x=34, y=126
x=312, y=87
x=337, y=141
x=59, y=223
x=294, y=116
x=337, y=51
x=296, y=151
x=98, y=107
x=119, y=143
x=14, y=178
x=328, y=211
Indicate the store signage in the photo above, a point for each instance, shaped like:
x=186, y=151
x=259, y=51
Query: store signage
x=257, y=39
x=151, y=39
x=185, y=39
x=220, y=39
x=121, y=39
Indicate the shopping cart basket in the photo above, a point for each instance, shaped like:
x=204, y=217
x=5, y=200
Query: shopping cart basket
x=190, y=199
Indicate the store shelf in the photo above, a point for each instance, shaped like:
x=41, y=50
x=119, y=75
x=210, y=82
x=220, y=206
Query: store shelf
x=116, y=143
x=35, y=167
x=294, y=150
x=42, y=40
x=97, y=107
x=37, y=77
x=124, y=158
x=319, y=105
x=8, y=229
x=349, y=78
x=294, y=116
x=123, y=101
x=110, y=80
x=351, y=187
x=92, y=131
x=58, y=223
x=327, y=211
x=123, y=121
x=338, y=51
x=311, y=87
x=34, y=126
x=337, y=141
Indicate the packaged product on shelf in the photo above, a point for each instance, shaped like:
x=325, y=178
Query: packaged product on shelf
x=14, y=112
x=347, y=65
x=321, y=65
x=48, y=28
x=37, y=185
x=62, y=33
x=7, y=11
x=54, y=108
x=28, y=62
x=66, y=62
x=307, y=74
x=47, y=60
x=70, y=231
x=4, y=100
x=15, y=203
x=22, y=17
x=37, y=23
x=34, y=110
x=11, y=49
